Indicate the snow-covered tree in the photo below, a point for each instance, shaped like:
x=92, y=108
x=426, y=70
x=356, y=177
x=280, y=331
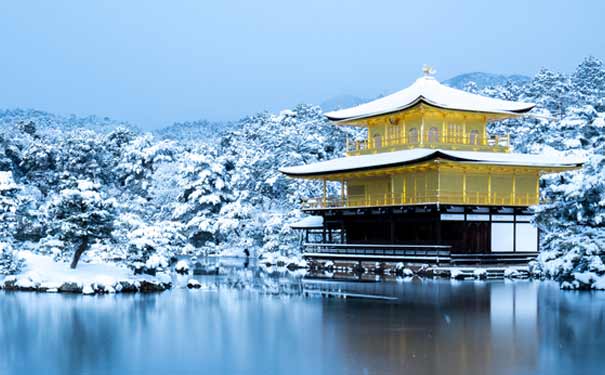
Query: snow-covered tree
x=10, y=262
x=589, y=80
x=139, y=159
x=204, y=184
x=80, y=215
x=8, y=205
x=551, y=91
x=152, y=246
x=224, y=192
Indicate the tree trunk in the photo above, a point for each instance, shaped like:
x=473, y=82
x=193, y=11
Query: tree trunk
x=79, y=251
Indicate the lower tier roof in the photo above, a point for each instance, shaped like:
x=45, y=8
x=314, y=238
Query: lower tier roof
x=418, y=155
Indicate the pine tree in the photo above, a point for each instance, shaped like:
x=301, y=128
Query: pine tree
x=80, y=215
x=589, y=79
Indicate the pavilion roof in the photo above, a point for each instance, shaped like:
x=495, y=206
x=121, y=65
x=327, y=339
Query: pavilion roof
x=419, y=155
x=429, y=91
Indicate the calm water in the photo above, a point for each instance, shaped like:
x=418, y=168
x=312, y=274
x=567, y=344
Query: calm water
x=258, y=324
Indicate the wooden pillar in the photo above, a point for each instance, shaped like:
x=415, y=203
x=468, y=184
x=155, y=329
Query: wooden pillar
x=443, y=135
x=489, y=187
x=405, y=182
x=438, y=182
x=484, y=139
x=538, y=188
x=514, y=194
x=464, y=140
x=325, y=191
x=392, y=192
x=415, y=194
x=437, y=223
x=463, y=186
x=342, y=193
x=421, y=127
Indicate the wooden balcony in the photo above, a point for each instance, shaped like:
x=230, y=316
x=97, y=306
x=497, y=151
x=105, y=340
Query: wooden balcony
x=495, y=143
x=398, y=199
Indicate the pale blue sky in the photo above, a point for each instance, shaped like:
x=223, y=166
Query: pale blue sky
x=155, y=62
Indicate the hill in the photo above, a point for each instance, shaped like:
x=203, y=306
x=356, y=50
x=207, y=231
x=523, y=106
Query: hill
x=483, y=80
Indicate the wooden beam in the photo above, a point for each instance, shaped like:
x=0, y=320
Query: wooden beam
x=325, y=191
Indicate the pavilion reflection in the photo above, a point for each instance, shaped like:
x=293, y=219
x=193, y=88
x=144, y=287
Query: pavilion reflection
x=449, y=327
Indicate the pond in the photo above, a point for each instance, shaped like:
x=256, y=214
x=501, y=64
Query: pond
x=254, y=322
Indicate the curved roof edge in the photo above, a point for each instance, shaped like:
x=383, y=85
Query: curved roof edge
x=423, y=100
x=429, y=91
x=415, y=156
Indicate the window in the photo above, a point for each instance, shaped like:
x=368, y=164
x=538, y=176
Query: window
x=433, y=135
x=377, y=141
x=474, y=137
x=413, y=136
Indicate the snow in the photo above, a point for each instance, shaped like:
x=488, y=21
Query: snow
x=222, y=194
x=511, y=273
x=456, y=273
x=480, y=273
x=181, y=266
x=402, y=157
x=428, y=90
x=155, y=262
x=7, y=182
x=42, y=272
x=308, y=222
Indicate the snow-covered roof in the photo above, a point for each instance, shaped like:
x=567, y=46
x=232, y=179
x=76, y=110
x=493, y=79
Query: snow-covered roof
x=428, y=90
x=417, y=155
x=309, y=222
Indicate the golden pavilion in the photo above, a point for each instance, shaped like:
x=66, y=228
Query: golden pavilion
x=428, y=183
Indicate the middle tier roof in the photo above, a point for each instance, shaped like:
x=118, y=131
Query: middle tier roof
x=414, y=156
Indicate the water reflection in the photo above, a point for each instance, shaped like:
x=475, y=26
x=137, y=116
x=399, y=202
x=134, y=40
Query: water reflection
x=260, y=322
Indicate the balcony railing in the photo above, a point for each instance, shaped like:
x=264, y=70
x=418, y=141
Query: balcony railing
x=477, y=143
x=398, y=199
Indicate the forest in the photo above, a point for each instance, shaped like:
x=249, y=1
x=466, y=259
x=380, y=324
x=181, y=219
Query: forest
x=95, y=190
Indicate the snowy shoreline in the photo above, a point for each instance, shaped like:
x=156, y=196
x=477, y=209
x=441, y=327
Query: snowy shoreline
x=42, y=274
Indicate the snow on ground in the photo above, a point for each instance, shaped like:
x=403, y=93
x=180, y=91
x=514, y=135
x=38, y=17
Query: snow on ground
x=44, y=274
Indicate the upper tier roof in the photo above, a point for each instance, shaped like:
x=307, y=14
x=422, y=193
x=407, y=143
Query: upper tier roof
x=428, y=90
x=418, y=155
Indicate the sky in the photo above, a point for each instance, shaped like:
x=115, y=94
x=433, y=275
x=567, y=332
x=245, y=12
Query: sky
x=153, y=63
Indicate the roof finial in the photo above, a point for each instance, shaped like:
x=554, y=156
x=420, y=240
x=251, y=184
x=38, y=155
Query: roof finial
x=428, y=70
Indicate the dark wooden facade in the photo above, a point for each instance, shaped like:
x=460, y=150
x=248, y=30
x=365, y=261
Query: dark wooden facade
x=466, y=232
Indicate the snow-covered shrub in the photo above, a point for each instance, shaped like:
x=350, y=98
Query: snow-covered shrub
x=10, y=262
x=226, y=195
x=181, y=267
x=573, y=251
x=8, y=204
x=153, y=245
